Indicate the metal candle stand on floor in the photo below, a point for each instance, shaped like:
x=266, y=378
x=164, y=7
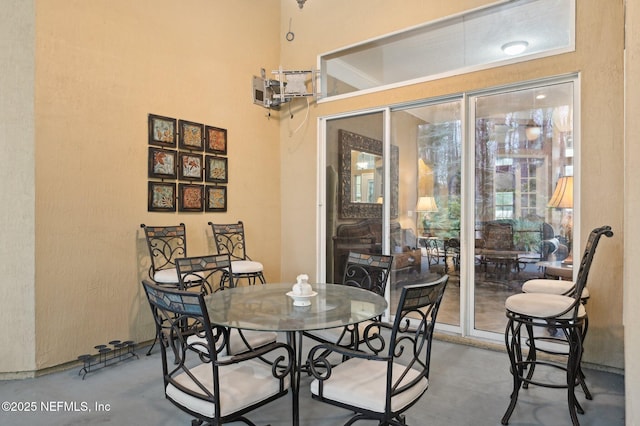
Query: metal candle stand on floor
x=107, y=356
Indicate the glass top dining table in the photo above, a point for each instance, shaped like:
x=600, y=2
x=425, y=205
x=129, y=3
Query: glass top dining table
x=268, y=308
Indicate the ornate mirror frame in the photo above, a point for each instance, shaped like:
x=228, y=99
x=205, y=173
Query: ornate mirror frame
x=348, y=209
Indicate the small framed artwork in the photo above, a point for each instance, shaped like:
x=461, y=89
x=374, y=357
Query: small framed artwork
x=162, y=131
x=216, y=199
x=216, y=169
x=191, y=135
x=191, y=197
x=162, y=163
x=215, y=140
x=162, y=197
x=190, y=166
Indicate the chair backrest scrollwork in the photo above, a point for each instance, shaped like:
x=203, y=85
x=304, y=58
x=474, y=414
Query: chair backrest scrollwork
x=230, y=239
x=165, y=243
x=368, y=271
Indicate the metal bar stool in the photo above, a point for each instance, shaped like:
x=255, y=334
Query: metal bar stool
x=541, y=311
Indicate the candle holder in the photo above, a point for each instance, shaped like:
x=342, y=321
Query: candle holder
x=107, y=356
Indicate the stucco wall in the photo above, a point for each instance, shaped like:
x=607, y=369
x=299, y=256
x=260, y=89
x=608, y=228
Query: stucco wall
x=17, y=178
x=320, y=27
x=102, y=67
x=632, y=206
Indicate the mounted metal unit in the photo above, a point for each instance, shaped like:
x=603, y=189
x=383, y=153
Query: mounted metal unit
x=287, y=84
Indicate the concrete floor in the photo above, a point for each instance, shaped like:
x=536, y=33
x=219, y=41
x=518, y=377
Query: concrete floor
x=469, y=386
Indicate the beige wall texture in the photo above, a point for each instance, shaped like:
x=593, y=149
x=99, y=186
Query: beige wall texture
x=75, y=126
x=17, y=186
x=101, y=67
x=631, y=317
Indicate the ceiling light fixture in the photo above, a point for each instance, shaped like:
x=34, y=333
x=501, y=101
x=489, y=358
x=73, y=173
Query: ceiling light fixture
x=514, y=47
x=301, y=3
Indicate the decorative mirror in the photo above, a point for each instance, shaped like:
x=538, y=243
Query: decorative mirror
x=362, y=177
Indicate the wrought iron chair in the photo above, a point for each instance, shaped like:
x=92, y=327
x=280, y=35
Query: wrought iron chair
x=498, y=238
x=166, y=244
x=565, y=313
x=230, y=239
x=393, y=374
x=208, y=271
x=213, y=388
x=366, y=271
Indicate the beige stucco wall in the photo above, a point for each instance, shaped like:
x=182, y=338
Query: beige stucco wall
x=599, y=60
x=632, y=206
x=17, y=186
x=102, y=66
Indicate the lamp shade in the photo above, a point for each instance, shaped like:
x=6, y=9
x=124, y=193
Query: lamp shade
x=563, y=195
x=532, y=132
x=426, y=204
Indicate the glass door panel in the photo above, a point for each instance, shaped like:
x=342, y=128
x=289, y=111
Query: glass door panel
x=429, y=139
x=523, y=150
x=355, y=179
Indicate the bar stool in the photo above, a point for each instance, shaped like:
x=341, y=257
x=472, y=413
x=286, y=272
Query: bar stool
x=541, y=311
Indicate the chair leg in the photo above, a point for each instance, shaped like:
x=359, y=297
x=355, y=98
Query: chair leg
x=512, y=341
x=573, y=371
x=152, y=345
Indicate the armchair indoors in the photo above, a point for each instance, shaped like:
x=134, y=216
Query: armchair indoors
x=497, y=247
x=384, y=383
x=213, y=388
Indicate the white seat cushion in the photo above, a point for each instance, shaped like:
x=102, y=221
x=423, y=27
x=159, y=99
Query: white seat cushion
x=551, y=287
x=241, y=385
x=166, y=276
x=542, y=305
x=362, y=383
x=236, y=345
x=246, y=267
x=333, y=334
x=170, y=276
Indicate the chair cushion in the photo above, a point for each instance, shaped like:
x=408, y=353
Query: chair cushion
x=333, y=334
x=166, y=276
x=170, y=276
x=242, y=385
x=551, y=287
x=542, y=305
x=236, y=345
x=362, y=383
x=246, y=267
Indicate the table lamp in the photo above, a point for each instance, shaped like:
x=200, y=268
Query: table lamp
x=562, y=198
x=425, y=206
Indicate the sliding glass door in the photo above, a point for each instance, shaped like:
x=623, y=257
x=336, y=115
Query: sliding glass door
x=523, y=149
x=478, y=186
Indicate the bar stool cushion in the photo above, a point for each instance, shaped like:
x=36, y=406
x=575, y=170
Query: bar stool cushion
x=362, y=383
x=543, y=305
x=551, y=287
x=244, y=384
